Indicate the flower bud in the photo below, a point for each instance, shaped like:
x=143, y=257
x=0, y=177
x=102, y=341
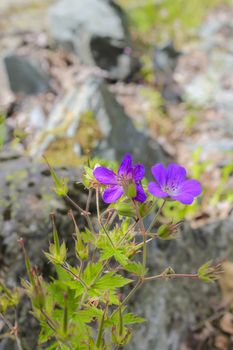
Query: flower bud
x=146, y=208
x=125, y=209
x=88, y=177
x=209, y=273
x=169, y=231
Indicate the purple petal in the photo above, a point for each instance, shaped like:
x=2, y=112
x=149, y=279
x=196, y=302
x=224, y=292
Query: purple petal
x=138, y=172
x=112, y=194
x=160, y=174
x=192, y=187
x=126, y=166
x=184, y=198
x=175, y=174
x=105, y=176
x=154, y=189
x=140, y=195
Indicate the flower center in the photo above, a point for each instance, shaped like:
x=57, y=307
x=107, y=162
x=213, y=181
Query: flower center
x=123, y=179
x=171, y=188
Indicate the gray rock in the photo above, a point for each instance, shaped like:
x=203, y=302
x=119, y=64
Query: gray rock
x=210, y=85
x=115, y=132
x=8, y=344
x=97, y=31
x=27, y=199
x=172, y=307
x=25, y=75
x=164, y=63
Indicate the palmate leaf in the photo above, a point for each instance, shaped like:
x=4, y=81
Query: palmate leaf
x=131, y=318
x=88, y=315
x=56, y=291
x=46, y=333
x=136, y=267
x=121, y=257
x=91, y=271
x=111, y=281
x=128, y=318
x=117, y=253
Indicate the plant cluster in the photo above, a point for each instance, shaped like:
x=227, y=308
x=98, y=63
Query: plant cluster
x=83, y=306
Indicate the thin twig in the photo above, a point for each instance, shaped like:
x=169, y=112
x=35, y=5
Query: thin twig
x=88, y=200
x=156, y=216
x=172, y=275
x=83, y=212
x=77, y=277
x=14, y=331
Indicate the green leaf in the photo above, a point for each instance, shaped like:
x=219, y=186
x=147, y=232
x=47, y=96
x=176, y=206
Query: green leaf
x=128, y=318
x=120, y=257
x=56, y=257
x=117, y=253
x=92, y=270
x=125, y=209
x=136, y=268
x=131, y=318
x=45, y=334
x=111, y=281
x=61, y=187
x=88, y=315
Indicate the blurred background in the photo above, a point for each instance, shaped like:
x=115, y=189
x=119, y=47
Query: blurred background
x=100, y=78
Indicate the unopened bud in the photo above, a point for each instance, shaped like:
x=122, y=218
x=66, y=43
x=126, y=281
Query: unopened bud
x=169, y=231
x=210, y=273
x=125, y=209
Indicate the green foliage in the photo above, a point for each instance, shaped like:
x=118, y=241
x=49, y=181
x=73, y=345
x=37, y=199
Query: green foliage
x=84, y=304
x=60, y=188
x=223, y=192
x=8, y=298
x=156, y=21
x=136, y=268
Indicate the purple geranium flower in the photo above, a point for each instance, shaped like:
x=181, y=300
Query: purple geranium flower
x=172, y=183
x=117, y=183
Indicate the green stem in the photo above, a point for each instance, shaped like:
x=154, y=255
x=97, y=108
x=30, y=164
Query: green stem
x=121, y=322
x=108, y=236
x=65, y=315
x=98, y=206
x=127, y=232
x=65, y=267
x=173, y=275
x=82, y=211
x=14, y=331
x=144, y=233
x=88, y=201
x=156, y=216
x=55, y=234
x=131, y=293
x=101, y=328
x=112, y=218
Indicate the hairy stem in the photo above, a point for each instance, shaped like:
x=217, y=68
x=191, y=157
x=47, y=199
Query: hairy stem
x=129, y=296
x=83, y=212
x=156, y=216
x=77, y=277
x=173, y=275
x=144, y=234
